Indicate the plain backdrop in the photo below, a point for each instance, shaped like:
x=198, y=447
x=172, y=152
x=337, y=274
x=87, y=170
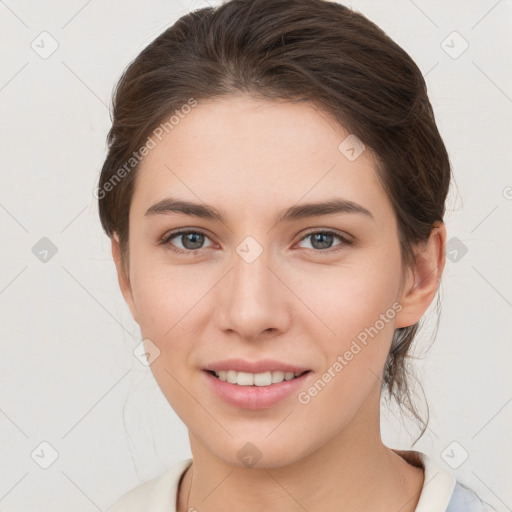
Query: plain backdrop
x=81, y=419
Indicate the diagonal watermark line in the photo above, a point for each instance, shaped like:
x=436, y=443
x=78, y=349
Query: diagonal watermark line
x=97, y=301
x=14, y=485
x=433, y=67
x=499, y=293
x=14, y=218
x=491, y=9
x=484, y=218
x=280, y=422
x=377, y=377
x=301, y=300
x=311, y=188
x=200, y=200
x=215, y=488
x=76, y=14
x=424, y=14
x=492, y=81
x=13, y=279
x=204, y=408
x=414, y=497
x=14, y=424
x=14, y=76
x=84, y=83
x=100, y=399
x=3, y=2
x=491, y=490
x=506, y=403
x=193, y=5
x=383, y=383
x=430, y=429
x=73, y=219
x=85, y=494
x=285, y=490
x=171, y=328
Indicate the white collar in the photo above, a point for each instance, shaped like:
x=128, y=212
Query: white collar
x=160, y=493
x=438, y=484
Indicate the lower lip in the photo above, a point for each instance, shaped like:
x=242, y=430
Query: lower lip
x=255, y=397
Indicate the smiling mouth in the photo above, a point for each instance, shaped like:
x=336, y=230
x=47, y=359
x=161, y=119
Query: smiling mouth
x=255, y=379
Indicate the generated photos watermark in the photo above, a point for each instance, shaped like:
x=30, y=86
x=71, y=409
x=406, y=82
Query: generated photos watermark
x=305, y=397
x=151, y=142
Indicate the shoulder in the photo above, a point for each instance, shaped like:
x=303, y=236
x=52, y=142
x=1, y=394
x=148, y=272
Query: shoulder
x=465, y=499
x=158, y=494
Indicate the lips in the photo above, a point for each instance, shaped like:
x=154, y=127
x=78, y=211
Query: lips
x=255, y=367
x=251, y=388
x=255, y=397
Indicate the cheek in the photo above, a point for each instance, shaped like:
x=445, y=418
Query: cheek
x=170, y=311
x=174, y=305
x=348, y=299
x=156, y=287
x=357, y=323
x=335, y=302
x=354, y=308
x=166, y=301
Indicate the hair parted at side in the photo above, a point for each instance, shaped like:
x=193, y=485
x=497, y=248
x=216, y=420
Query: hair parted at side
x=293, y=50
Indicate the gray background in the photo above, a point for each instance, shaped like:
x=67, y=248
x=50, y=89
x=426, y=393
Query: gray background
x=68, y=376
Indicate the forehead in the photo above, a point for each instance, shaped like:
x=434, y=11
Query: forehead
x=255, y=155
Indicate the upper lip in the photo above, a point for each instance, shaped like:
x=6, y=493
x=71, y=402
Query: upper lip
x=261, y=366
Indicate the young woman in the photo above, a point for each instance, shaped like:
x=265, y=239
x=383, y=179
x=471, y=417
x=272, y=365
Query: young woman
x=274, y=191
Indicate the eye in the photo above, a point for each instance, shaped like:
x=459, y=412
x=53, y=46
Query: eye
x=322, y=240
x=190, y=241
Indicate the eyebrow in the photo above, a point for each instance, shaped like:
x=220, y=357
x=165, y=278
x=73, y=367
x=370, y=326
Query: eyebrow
x=296, y=212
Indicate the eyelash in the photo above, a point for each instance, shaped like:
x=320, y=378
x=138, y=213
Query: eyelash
x=166, y=239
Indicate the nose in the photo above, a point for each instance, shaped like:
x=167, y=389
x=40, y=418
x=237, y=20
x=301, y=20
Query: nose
x=253, y=301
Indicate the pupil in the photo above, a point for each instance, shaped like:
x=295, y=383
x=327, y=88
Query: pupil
x=320, y=236
x=196, y=242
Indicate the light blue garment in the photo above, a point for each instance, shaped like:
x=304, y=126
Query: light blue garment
x=466, y=500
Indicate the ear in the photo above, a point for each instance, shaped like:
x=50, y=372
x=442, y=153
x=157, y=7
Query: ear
x=122, y=276
x=423, y=279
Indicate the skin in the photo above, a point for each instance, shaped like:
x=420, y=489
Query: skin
x=295, y=303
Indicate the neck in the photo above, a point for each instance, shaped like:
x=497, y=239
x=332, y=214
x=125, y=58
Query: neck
x=354, y=471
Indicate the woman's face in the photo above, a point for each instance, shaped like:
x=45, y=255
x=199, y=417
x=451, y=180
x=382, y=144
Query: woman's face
x=269, y=280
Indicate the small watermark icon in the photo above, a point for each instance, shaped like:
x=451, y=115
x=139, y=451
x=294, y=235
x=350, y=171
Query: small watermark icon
x=146, y=352
x=249, y=249
x=456, y=249
x=44, y=250
x=351, y=147
x=249, y=455
x=44, y=454
x=454, y=45
x=44, y=44
x=454, y=455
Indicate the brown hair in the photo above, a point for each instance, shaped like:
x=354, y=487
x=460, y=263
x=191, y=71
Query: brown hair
x=294, y=50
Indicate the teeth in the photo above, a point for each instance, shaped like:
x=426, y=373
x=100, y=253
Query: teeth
x=255, y=379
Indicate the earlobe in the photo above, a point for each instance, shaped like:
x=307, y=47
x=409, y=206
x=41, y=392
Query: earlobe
x=423, y=279
x=123, y=277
